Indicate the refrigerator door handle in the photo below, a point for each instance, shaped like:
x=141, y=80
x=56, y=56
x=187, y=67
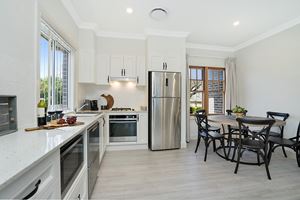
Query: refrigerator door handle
x=167, y=82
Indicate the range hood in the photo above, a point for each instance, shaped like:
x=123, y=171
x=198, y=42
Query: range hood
x=124, y=79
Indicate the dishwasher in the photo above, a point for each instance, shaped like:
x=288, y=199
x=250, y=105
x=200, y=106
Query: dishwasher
x=93, y=135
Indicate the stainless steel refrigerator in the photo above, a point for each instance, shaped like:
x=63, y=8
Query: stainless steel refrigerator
x=164, y=110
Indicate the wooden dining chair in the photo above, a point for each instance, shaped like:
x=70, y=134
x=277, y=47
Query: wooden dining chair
x=254, y=141
x=292, y=143
x=281, y=116
x=210, y=128
x=207, y=135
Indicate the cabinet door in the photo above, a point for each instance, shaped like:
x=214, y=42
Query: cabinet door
x=116, y=66
x=141, y=71
x=130, y=66
x=142, y=135
x=86, y=66
x=156, y=63
x=102, y=69
x=101, y=128
x=172, y=64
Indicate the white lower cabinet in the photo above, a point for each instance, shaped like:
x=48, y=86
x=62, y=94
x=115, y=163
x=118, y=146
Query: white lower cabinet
x=79, y=189
x=102, y=138
x=41, y=182
x=142, y=134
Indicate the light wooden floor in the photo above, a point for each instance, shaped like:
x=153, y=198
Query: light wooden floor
x=181, y=174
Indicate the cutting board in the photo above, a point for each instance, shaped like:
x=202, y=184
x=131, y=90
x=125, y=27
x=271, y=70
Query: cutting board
x=52, y=126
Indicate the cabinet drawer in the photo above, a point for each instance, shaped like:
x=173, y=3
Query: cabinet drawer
x=43, y=178
x=79, y=189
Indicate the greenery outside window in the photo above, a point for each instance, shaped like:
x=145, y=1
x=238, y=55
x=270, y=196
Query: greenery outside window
x=54, y=68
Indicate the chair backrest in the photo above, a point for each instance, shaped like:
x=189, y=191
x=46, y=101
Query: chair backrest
x=278, y=115
x=201, y=120
x=229, y=112
x=264, y=124
x=202, y=111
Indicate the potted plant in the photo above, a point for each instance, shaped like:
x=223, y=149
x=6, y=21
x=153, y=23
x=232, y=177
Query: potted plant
x=239, y=111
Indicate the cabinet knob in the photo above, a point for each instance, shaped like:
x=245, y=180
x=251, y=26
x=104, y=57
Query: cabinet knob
x=34, y=190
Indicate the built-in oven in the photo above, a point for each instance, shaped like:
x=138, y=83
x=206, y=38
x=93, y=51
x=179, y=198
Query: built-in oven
x=123, y=128
x=71, y=162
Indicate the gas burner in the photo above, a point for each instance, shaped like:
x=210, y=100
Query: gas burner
x=122, y=109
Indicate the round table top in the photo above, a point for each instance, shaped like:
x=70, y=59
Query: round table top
x=231, y=120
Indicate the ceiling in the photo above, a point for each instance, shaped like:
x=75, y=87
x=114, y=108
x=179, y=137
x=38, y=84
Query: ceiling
x=208, y=22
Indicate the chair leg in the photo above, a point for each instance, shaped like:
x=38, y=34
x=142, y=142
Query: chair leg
x=223, y=146
x=267, y=165
x=214, y=145
x=270, y=152
x=198, y=142
x=298, y=156
x=238, y=160
x=283, y=150
x=258, y=159
x=234, y=152
x=206, y=147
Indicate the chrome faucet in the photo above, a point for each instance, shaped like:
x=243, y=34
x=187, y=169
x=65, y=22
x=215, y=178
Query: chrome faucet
x=79, y=109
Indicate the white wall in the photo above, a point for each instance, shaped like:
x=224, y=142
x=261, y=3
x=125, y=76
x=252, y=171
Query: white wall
x=19, y=22
x=125, y=95
x=269, y=76
x=18, y=41
x=199, y=57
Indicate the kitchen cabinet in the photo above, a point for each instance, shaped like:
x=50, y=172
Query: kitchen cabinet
x=164, y=63
x=165, y=53
x=79, y=189
x=122, y=66
x=142, y=134
x=102, y=69
x=40, y=182
x=141, y=71
x=86, y=66
x=102, y=138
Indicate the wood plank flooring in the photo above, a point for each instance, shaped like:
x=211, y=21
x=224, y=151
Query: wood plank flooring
x=182, y=174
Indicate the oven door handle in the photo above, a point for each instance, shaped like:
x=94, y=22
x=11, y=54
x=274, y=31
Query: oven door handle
x=66, y=151
x=123, y=122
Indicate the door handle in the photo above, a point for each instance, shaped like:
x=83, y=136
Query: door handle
x=121, y=72
x=163, y=66
x=124, y=72
x=166, y=66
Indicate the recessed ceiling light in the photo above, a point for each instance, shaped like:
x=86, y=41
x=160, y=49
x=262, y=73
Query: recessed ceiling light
x=236, y=23
x=129, y=10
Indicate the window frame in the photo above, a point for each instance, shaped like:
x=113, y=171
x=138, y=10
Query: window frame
x=206, y=91
x=47, y=32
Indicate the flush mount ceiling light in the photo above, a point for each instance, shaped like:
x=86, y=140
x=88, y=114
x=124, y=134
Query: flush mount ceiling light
x=236, y=23
x=158, y=13
x=129, y=10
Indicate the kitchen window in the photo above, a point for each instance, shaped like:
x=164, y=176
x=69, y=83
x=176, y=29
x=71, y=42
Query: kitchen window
x=207, y=89
x=54, y=68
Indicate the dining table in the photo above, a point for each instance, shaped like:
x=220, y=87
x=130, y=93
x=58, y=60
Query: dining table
x=230, y=120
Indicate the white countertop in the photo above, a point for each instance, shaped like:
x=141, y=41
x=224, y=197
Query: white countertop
x=20, y=150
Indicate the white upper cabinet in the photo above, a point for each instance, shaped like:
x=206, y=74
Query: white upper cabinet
x=86, y=56
x=165, y=53
x=122, y=66
x=86, y=66
x=141, y=71
x=116, y=66
x=102, y=69
x=129, y=66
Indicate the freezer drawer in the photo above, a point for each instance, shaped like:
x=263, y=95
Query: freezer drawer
x=165, y=123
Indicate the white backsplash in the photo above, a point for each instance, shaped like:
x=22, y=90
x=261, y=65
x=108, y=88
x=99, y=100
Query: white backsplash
x=125, y=94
